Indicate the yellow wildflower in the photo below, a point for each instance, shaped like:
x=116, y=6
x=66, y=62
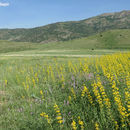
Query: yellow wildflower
x=96, y=126
x=73, y=92
x=59, y=117
x=43, y=114
x=73, y=124
x=81, y=123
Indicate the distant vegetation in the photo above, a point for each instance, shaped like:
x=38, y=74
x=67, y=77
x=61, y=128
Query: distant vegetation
x=113, y=39
x=8, y=46
x=65, y=31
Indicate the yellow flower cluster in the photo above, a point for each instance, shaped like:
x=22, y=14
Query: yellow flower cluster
x=33, y=81
x=96, y=126
x=81, y=123
x=41, y=92
x=97, y=94
x=121, y=108
x=116, y=124
x=73, y=124
x=103, y=94
x=69, y=98
x=85, y=90
x=43, y=114
x=58, y=113
x=127, y=92
x=6, y=82
x=85, y=68
x=73, y=92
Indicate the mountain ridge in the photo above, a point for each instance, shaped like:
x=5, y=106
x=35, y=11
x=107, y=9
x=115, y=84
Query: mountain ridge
x=64, y=31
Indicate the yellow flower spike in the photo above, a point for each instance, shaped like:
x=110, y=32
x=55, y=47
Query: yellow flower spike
x=121, y=108
x=96, y=126
x=81, y=123
x=33, y=80
x=73, y=92
x=73, y=124
x=57, y=111
x=46, y=116
x=116, y=125
x=6, y=82
x=55, y=106
x=41, y=92
x=60, y=121
x=69, y=98
x=43, y=114
x=27, y=86
x=103, y=94
x=86, y=90
x=59, y=114
x=97, y=94
x=59, y=117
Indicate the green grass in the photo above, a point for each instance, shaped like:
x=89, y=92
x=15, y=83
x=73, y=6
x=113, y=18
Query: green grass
x=21, y=102
x=114, y=39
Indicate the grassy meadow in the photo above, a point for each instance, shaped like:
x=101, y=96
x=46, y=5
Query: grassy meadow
x=81, y=84
x=39, y=93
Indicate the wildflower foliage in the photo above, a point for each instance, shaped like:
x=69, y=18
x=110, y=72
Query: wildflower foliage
x=74, y=94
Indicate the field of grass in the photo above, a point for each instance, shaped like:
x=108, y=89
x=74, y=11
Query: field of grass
x=61, y=93
x=61, y=53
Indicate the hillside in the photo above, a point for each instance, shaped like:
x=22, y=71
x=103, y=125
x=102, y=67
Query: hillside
x=112, y=39
x=65, y=31
x=9, y=46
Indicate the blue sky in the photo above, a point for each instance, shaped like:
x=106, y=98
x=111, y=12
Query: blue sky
x=32, y=13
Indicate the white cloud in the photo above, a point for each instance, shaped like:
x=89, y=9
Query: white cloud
x=4, y=4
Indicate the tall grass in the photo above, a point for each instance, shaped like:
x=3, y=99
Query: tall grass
x=59, y=93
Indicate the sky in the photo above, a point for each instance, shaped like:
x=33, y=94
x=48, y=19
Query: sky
x=33, y=13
